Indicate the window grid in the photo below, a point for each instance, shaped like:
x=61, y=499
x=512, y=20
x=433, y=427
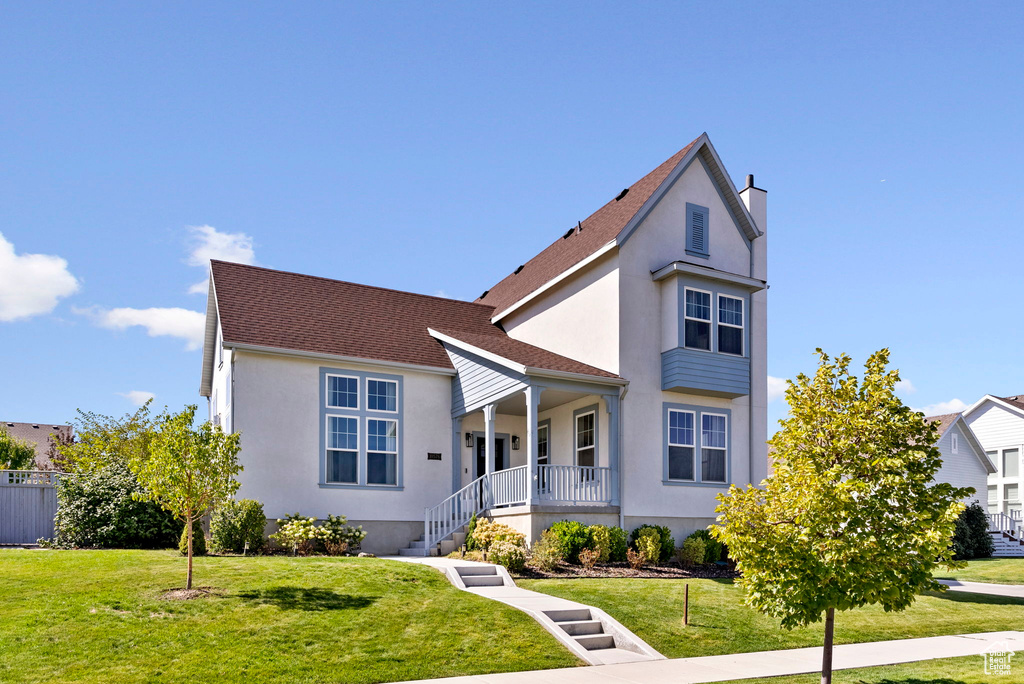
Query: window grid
x=342, y=392
x=713, y=447
x=381, y=451
x=730, y=325
x=542, y=445
x=381, y=395
x=585, y=426
x=342, y=449
x=697, y=319
x=681, y=445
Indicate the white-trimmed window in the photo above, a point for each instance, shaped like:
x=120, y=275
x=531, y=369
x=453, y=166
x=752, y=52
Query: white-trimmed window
x=586, y=426
x=381, y=451
x=342, y=449
x=381, y=395
x=730, y=325
x=342, y=391
x=681, y=446
x=1011, y=462
x=697, y=319
x=542, y=444
x=714, y=445
x=955, y=443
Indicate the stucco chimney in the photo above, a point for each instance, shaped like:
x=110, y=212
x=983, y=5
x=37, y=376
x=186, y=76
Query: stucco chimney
x=756, y=200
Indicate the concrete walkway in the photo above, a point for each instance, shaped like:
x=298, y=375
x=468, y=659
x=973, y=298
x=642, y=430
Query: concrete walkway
x=761, y=664
x=1009, y=590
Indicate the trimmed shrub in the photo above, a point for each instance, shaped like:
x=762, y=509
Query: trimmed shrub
x=234, y=523
x=198, y=540
x=692, y=551
x=601, y=542
x=545, y=554
x=335, y=533
x=487, y=532
x=96, y=510
x=619, y=544
x=507, y=553
x=649, y=544
x=666, y=543
x=712, y=547
x=572, y=537
x=971, y=538
x=636, y=559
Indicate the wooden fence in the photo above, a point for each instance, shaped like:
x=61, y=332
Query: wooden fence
x=28, y=503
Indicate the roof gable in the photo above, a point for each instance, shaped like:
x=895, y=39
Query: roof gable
x=612, y=224
x=946, y=421
x=1014, y=404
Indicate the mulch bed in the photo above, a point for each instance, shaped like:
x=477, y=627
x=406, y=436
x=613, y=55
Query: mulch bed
x=567, y=571
x=188, y=594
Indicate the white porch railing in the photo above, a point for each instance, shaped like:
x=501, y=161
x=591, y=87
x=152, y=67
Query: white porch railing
x=572, y=484
x=1001, y=522
x=556, y=484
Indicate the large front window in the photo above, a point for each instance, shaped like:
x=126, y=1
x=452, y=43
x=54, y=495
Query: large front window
x=697, y=324
x=696, y=448
x=361, y=447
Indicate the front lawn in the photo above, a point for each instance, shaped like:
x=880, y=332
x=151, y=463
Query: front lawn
x=96, y=616
x=720, y=623
x=994, y=570
x=968, y=670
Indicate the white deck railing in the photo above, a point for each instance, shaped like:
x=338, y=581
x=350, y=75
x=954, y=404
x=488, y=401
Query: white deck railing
x=556, y=484
x=45, y=478
x=1001, y=522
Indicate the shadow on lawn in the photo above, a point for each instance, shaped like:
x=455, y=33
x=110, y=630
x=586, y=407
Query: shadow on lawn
x=968, y=597
x=915, y=680
x=306, y=598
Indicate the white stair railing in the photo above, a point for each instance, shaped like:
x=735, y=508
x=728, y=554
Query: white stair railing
x=447, y=517
x=1001, y=522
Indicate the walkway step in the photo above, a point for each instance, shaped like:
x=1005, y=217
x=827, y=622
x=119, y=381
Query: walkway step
x=483, y=581
x=593, y=642
x=581, y=627
x=569, y=615
x=467, y=570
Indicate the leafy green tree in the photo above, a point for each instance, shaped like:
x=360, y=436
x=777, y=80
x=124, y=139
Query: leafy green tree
x=105, y=440
x=14, y=453
x=188, y=470
x=851, y=515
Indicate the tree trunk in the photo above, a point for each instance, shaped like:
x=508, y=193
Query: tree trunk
x=188, y=582
x=826, y=656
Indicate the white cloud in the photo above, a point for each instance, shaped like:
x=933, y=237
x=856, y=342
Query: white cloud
x=172, y=322
x=943, y=407
x=776, y=388
x=442, y=294
x=209, y=243
x=905, y=386
x=31, y=284
x=138, y=397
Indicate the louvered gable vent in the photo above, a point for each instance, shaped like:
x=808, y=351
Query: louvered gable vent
x=696, y=230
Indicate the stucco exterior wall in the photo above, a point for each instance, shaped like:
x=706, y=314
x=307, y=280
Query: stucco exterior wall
x=278, y=414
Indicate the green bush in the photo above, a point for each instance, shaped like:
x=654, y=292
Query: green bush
x=487, y=532
x=667, y=543
x=198, y=540
x=712, y=547
x=601, y=541
x=619, y=544
x=236, y=522
x=470, y=528
x=692, y=551
x=545, y=554
x=336, y=531
x=96, y=510
x=971, y=539
x=507, y=553
x=572, y=537
x=649, y=544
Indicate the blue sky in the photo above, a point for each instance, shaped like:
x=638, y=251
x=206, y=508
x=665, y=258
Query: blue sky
x=434, y=147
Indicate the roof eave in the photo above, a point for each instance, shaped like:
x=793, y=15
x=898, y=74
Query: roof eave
x=687, y=268
x=383, y=363
x=995, y=400
x=209, y=340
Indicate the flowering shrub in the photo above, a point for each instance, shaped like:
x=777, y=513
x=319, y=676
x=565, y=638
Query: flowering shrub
x=545, y=554
x=510, y=554
x=589, y=558
x=300, y=534
x=336, y=532
x=487, y=532
x=649, y=544
x=636, y=559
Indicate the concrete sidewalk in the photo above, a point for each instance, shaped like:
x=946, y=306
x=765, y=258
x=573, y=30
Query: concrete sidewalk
x=1009, y=590
x=761, y=664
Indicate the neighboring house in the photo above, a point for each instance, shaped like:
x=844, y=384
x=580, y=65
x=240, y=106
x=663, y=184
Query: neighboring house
x=964, y=462
x=618, y=377
x=41, y=437
x=999, y=424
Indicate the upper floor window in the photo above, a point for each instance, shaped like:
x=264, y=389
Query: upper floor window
x=382, y=395
x=730, y=325
x=696, y=230
x=342, y=391
x=697, y=323
x=1011, y=461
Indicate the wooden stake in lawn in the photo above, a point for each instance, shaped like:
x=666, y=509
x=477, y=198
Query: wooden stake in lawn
x=850, y=516
x=188, y=470
x=686, y=606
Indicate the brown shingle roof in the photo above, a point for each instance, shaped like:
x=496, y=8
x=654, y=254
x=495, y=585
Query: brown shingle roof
x=526, y=354
x=1017, y=400
x=267, y=308
x=598, y=230
x=943, y=422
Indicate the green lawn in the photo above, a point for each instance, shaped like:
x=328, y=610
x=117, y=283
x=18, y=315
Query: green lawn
x=719, y=623
x=946, y=671
x=95, y=616
x=995, y=570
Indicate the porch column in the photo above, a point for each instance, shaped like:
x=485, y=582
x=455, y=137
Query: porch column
x=611, y=404
x=456, y=454
x=532, y=409
x=489, y=412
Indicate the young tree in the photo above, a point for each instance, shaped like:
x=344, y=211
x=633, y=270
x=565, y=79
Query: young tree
x=14, y=453
x=188, y=469
x=105, y=440
x=850, y=516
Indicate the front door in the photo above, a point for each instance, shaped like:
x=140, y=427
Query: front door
x=481, y=455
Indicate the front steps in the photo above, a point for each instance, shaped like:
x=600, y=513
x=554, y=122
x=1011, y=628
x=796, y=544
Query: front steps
x=579, y=624
x=418, y=547
x=1006, y=546
x=474, y=576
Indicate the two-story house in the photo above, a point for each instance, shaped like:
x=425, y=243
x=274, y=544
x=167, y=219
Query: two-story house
x=617, y=377
x=999, y=424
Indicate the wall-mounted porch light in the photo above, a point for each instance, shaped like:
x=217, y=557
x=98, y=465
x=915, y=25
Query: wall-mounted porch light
x=515, y=442
x=469, y=439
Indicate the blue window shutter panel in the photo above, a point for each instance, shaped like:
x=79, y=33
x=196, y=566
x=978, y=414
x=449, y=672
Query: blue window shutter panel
x=696, y=230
